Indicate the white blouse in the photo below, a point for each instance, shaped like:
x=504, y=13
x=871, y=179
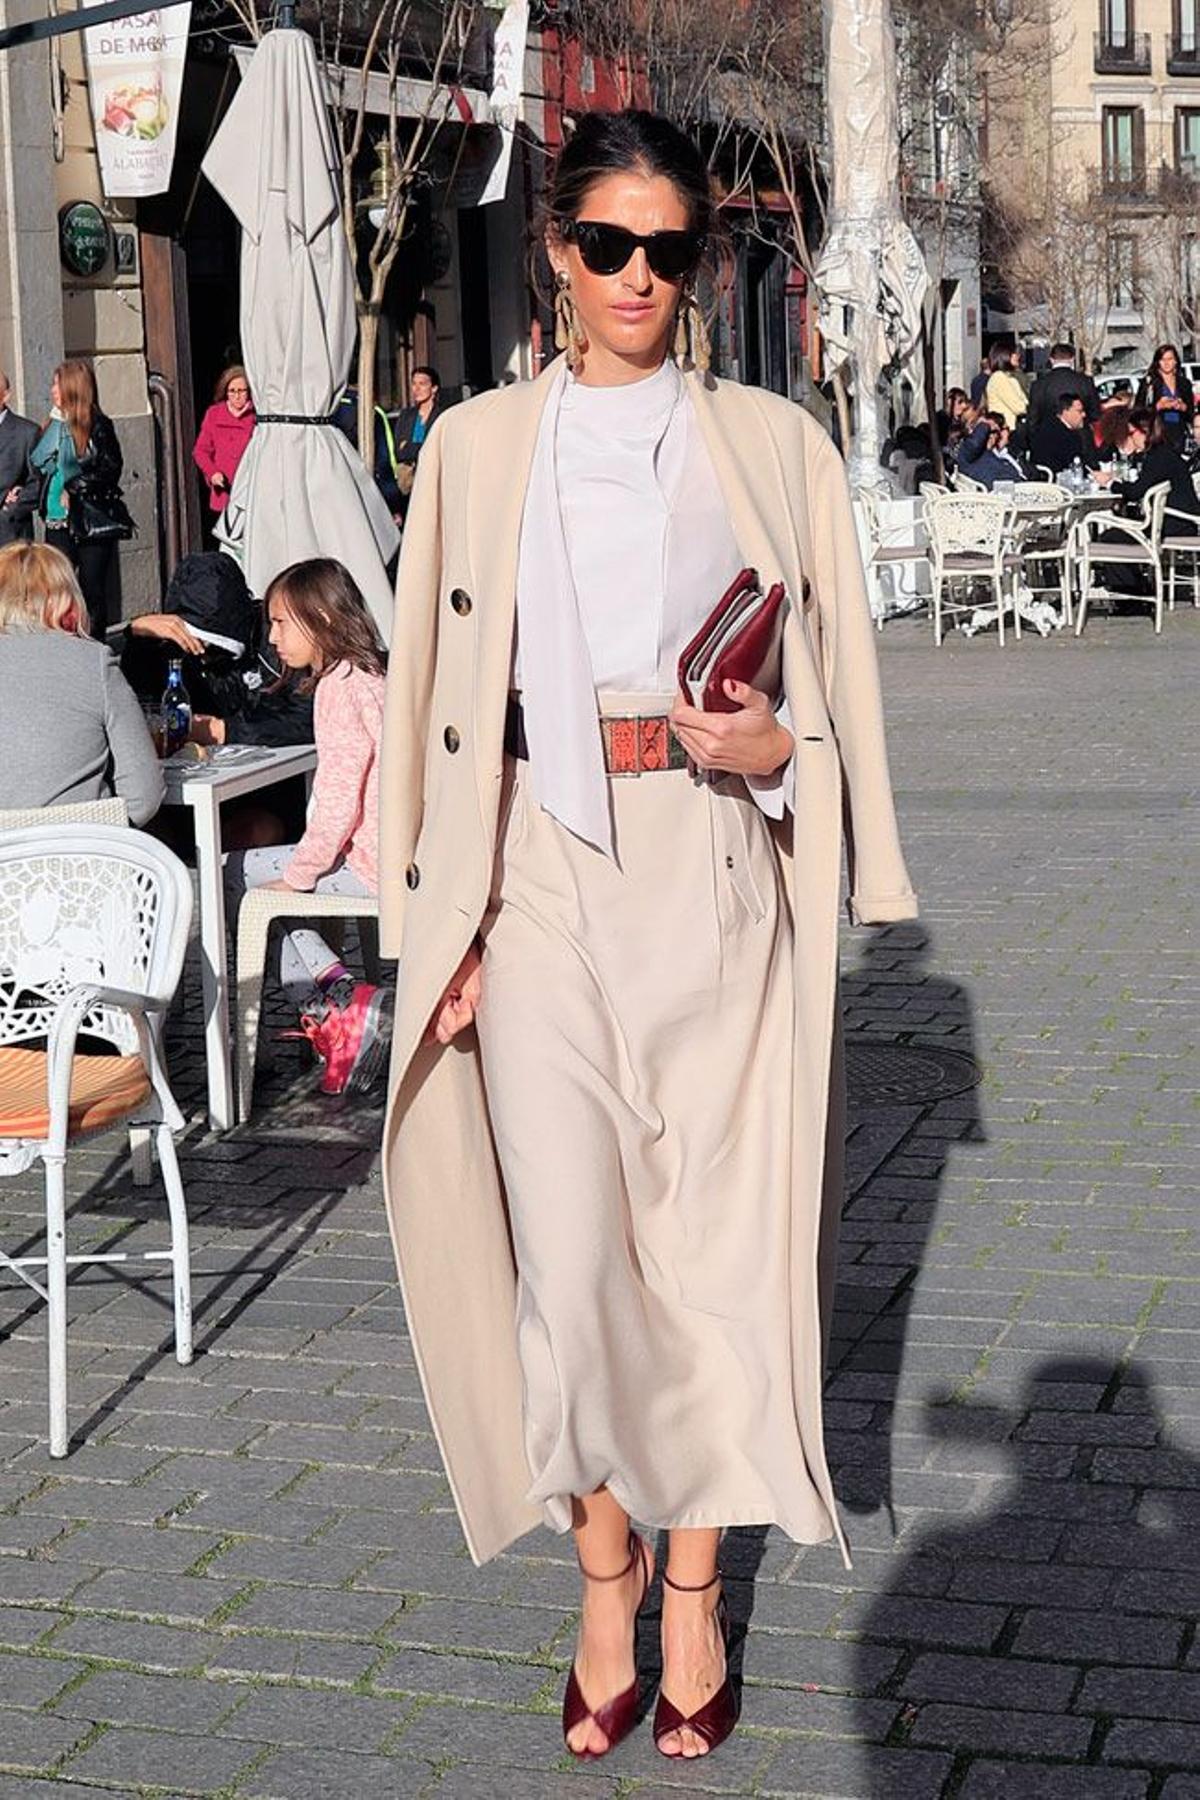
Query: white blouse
x=626, y=546
x=649, y=542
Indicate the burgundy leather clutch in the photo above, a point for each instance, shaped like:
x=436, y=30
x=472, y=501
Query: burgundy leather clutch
x=741, y=640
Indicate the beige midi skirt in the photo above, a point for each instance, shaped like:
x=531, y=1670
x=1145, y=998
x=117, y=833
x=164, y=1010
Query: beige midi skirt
x=636, y=1031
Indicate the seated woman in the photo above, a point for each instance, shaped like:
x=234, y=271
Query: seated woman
x=240, y=692
x=984, y=455
x=1148, y=435
x=321, y=629
x=71, y=727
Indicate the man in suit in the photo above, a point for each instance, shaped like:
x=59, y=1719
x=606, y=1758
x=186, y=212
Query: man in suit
x=413, y=425
x=1059, y=440
x=1062, y=377
x=18, y=483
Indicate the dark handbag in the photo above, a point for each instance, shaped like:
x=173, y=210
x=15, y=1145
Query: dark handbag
x=93, y=523
x=741, y=640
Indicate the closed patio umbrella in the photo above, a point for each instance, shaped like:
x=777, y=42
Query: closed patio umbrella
x=301, y=489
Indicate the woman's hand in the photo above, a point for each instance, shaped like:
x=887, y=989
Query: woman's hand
x=218, y=482
x=207, y=729
x=169, y=626
x=750, y=741
x=460, y=1001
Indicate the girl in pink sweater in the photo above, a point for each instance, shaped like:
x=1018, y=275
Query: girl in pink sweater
x=319, y=623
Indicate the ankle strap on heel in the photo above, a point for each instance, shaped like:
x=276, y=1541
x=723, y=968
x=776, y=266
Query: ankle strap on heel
x=634, y=1552
x=682, y=1588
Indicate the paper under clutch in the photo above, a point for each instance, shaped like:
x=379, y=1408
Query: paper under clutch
x=741, y=640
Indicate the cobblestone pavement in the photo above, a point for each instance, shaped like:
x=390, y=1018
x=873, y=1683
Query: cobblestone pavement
x=246, y=1580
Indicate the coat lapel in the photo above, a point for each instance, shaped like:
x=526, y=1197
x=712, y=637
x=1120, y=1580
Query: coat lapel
x=739, y=439
x=501, y=460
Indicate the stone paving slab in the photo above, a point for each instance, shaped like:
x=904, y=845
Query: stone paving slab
x=247, y=1579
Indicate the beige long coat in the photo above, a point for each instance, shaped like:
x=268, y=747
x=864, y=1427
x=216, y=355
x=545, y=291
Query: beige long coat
x=439, y=803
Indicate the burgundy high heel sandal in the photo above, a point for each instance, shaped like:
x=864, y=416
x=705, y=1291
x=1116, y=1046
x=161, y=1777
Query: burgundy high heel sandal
x=617, y=1717
x=717, y=1717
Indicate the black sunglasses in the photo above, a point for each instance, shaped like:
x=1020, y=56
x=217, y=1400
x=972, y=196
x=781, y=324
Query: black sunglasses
x=605, y=249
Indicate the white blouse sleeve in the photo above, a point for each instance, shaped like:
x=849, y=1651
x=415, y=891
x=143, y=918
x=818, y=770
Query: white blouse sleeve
x=774, y=793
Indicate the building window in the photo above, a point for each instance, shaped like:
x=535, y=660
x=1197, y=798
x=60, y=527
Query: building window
x=1122, y=281
x=1189, y=271
x=1187, y=141
x=1116, y=24
x=1123, y=145
x=1187, y=26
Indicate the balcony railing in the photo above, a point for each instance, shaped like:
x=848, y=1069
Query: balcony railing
x=1125, y=55
x=1183, y=53
x=1131, y=187
x=1180, y=184
x=1163, y=185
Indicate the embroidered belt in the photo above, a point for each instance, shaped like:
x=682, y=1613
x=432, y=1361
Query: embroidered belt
x=294, y=418
x=634, y=744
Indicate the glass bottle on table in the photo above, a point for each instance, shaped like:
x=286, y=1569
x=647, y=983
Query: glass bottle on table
x=176, y=708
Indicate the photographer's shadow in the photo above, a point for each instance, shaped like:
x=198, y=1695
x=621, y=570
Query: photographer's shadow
x=912, y=1097
x=1081, y=1582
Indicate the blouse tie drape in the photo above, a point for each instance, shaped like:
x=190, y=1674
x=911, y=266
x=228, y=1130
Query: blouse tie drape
x=626, y=545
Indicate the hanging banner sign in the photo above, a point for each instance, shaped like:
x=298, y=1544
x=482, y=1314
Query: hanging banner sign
x=135, y=76
x=508, y=82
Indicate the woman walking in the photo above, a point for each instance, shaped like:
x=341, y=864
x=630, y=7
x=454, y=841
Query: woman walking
x=79, y=459
x=613, y=1143
x=1004, y=393
x=1166, y=390
x=225, y=431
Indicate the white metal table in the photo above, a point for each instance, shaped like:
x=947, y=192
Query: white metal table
x=230, y=772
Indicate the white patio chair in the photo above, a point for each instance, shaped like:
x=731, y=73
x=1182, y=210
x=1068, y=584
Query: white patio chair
x=73, y=812
x=969, y=538
x=881, y=555
x=1044, y=539
x=1138, y=547
x=1175, y=544
x=967, y=484
x=933, y=490
x=258, y=909
x=93, y=927
x=110, y=811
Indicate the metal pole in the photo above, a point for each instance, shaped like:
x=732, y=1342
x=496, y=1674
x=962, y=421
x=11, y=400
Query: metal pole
x=34, y=29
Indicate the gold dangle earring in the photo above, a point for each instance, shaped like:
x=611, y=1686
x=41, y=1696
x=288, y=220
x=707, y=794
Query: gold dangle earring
x=692, y=347
x=568, y=335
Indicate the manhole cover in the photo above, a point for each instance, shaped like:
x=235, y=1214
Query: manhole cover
x=906, y=1074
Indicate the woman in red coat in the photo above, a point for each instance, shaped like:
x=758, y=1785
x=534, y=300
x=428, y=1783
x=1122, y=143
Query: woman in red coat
x=224, y=434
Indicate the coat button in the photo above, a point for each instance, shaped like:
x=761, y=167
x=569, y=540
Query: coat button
x=460, y=600
x=729, y=862
x=451, y=739
x=412, y=875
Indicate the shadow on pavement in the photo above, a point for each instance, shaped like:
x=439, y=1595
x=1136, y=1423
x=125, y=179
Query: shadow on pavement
x=911, y=1074
x=1047, y=1637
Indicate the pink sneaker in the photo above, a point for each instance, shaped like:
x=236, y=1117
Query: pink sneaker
x=323, y=1030
x=353, y=1041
